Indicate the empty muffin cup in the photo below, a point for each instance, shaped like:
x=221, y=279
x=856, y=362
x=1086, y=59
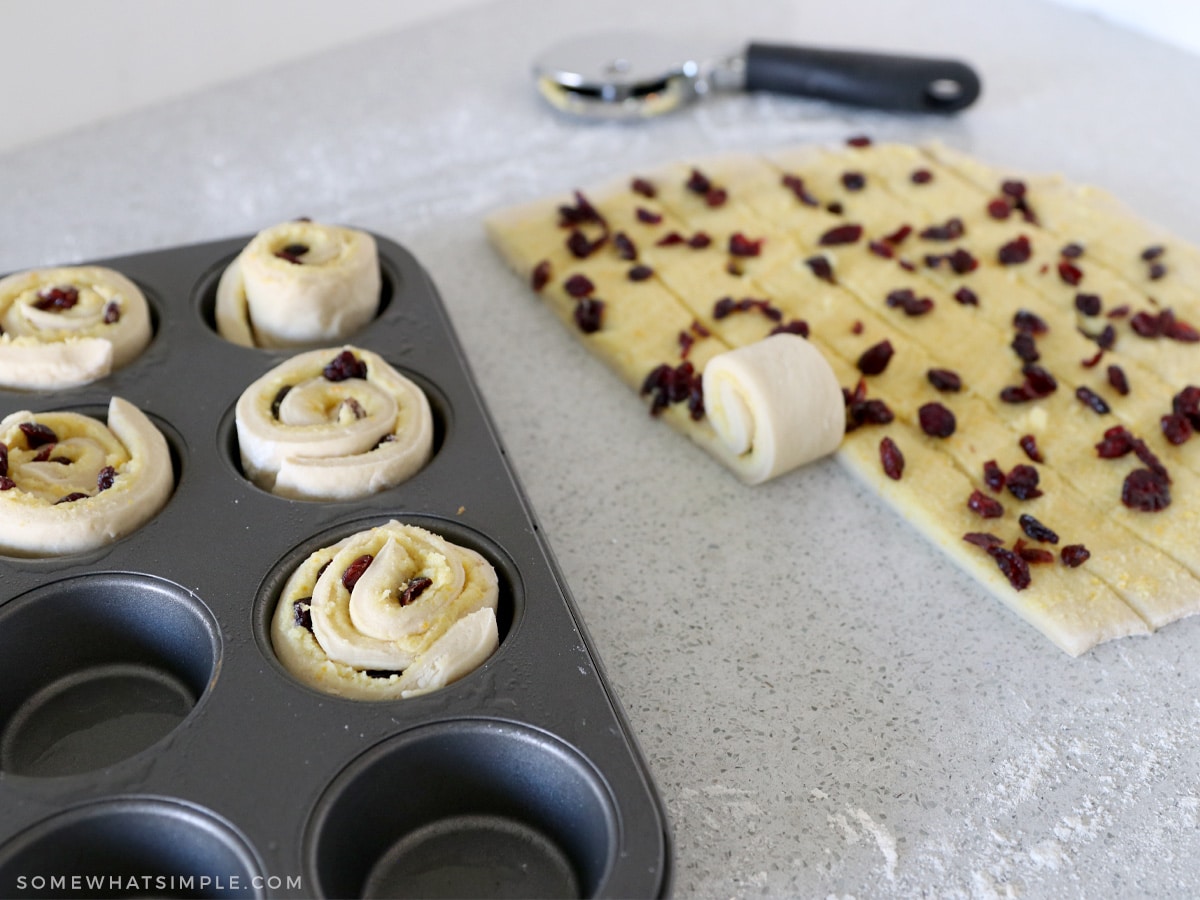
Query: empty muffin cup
x=130, y=847
x=465, y=808
x=97, y=668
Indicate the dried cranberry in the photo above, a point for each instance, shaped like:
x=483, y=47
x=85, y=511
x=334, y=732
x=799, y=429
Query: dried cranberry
x=876, y=358
x=583, y=212
x=698, y=183
x=891, y=458
x=112, y=313
x=944, y=380
x=867, y=412
x=647, y=216
x=1088, y=304
x=857, y=327
x=906, y=299
x=993, y=477
x=292, y=253
x=716, y=196
x=540, y=276
x=1156, y=271
x=1074, y=555
x=1029, y=322
x=589, y=313
x=1035, y=555
x=879, y=248
x=639, y=273
x=999, y=209
x=414, y=589
x=854, y=181
x=898, y=236
x=1117, y=442
x=1036, y=530
x=3, y=459
x=1092, y=400
x=1176, y=429
x=71, y=498
x=1187, y=403
x=982, y=539
x=1041, y=382
x=936, y=420
x=796, y=185
x=1072, y=250
x=1146, y=491
x=858, y=140
x=1022, y=482
x=1017, y=394
x=1145, y=324
x=37, y=435
x=1178, y=330
x=579, y=286
x=6, y=483
x=1069, y=272
x=1153, y=252
x=921, y=176
x=962, y=262
x=581, y=247
x=740, y=245
x=57, y=299
x=951, y=230
x=966, y=297
x=841, y=234
x=985, y=506
x=643, y=187
x=1029, y=444
x=1119, y=312
x=355, y=571
x=1015, y=569
x=1016, y=251
x=278, y=401
x=1117, y=380
x=106, y=477
x=343, y=366
x=795, y=326
x=302, y=613
x=1025, y=347
x=625, y=247
x=699, y=240
x=1106, y=338
x=822, y=268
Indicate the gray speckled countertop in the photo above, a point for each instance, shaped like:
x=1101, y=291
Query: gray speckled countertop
x=827, y=705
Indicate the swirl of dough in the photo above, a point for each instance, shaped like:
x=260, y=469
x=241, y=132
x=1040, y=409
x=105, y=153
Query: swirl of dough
x=68, y=326
x=775, y=404
x=70, y=483
x=299, y=283
x=387, y=613
x=333, y=425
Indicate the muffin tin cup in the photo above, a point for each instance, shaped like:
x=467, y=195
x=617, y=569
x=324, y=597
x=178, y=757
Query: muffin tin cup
x=527, y=760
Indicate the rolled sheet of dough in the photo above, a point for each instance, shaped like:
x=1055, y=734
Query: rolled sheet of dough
x=776, y=404
x=371, y=640
x=299, y=283
x=68, y=326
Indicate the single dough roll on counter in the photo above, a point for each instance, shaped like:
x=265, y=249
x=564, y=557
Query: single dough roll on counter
x=69, y=326
x=336, y=424
x=387, y=613
x=775, y=404
x=297, y=284
x=70, y=483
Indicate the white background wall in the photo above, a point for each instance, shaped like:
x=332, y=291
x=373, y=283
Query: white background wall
x=69, y=62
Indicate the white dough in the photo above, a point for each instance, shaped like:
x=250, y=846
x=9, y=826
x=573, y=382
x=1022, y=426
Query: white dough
x=329, y=292
x=776, y=405
x=33, y=523
x=332, y=440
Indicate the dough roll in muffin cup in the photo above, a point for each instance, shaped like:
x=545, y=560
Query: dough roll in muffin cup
x=333, y=425
x=70, y=483
x=387, y=613
x=67, y=326
x=297, y=284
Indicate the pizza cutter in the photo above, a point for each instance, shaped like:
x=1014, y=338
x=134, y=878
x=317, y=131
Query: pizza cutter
x=634, y=75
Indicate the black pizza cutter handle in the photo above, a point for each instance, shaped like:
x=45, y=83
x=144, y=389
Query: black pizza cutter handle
x=877, y=80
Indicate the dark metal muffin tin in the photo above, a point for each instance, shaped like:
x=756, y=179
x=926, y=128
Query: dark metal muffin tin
x=150, y=742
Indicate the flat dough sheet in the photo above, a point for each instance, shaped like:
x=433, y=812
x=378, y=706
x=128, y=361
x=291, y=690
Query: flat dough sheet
x=823, y=236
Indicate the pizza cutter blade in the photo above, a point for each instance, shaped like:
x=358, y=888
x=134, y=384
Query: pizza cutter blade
x=633, y=75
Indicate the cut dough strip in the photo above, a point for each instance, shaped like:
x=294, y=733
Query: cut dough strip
x=70, y=483
x=297, y=284
x=68, y=326
x=335, y=424
x=387, y=613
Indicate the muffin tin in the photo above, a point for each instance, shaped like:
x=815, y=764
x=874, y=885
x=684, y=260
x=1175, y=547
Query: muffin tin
x=150, y=742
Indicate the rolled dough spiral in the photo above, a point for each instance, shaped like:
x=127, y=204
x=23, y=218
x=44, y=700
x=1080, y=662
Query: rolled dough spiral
x=420, y=615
